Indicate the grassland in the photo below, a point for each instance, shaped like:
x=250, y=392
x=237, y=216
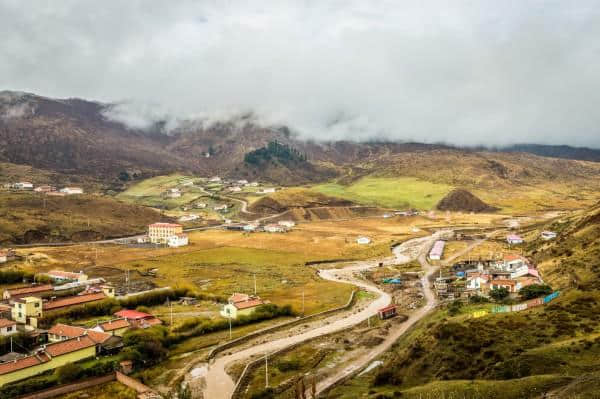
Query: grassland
x=149, y=192
x=401, y=192
x=78, y=217
x=110, y=390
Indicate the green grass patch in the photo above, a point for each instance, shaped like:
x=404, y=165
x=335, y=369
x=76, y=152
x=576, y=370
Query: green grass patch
x=399, y=192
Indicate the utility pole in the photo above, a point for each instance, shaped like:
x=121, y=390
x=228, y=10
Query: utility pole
x=171, y=309
x=11, y=346
x=369, y=321
x=229, y=327
x=303, y=301
x=266, y=370
x=255, y=284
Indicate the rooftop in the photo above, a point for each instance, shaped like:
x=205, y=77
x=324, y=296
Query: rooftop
x=165, y=225
x=132, y=314
x=64, y=274
x=64, y=330
x=73, y=300
x=114, y=324
x=7, y=323
x=69, y=345
x=30, y=289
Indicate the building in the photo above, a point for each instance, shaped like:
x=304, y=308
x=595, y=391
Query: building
x=138, y=319
x=548, y=235
x=363, y=240
x=26, y=311
x=250, y=227
x=267, y=190
x=511, y=285
x=72, y=190
x=44, y=189
x=241, y=305
x=62, y=276
x=178, y=240
x=72, y=301
x=3, y=256
x=24, y=185
x=30, y=290
x=215, y=179
x=288, y=224
x=48, y=357
x=515, y=264
x=114, y=327
x=235, y=189
x=7, y=327
x=200, y=205
x=189, y=218
x=78, y=284
x=242, y=182
x=387, y=312
x=274, y=228
x=437, y=250
x=62, y=332
x=221, y=208
x=159, y=233
x=514, y=239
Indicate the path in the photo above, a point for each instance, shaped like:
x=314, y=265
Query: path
x=219, y=384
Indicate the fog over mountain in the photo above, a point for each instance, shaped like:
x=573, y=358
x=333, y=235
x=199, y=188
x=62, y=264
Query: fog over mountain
x=461, y=72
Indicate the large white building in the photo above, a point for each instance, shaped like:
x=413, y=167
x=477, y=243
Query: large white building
x=159, y=233
x=178, y=240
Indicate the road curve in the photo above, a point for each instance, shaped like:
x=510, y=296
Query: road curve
x=219, y=384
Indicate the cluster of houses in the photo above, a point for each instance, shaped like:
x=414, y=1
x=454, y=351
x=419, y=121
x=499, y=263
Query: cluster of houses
x=22, y=307
x=44, y=189
x=514, y=272
x=282, y=226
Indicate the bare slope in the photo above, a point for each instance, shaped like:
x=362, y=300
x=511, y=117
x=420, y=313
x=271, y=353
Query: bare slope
x=461, y=200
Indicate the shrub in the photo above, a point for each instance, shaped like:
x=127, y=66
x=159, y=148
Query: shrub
x=498, y=294
x=535, y=291
x=67, y=373
x=288, y=365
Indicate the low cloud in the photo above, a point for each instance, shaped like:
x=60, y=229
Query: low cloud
x=461, y=72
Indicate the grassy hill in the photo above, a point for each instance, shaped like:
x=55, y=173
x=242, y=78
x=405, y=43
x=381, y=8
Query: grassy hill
x=30, y=218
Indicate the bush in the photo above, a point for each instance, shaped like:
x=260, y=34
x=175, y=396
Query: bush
x=498, y=294
x=454, y=308
x=288, y=365
x=535, y=291
x=68, y=373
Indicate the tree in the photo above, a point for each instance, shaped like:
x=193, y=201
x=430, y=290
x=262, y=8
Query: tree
x=535, y=291
x=498, y=294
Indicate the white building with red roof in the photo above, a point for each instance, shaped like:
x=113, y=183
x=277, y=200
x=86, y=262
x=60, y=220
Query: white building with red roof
x=138, y=319
x=7, y=327
x=241, y=305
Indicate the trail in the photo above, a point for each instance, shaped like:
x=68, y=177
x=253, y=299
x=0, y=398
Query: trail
x=219, y=384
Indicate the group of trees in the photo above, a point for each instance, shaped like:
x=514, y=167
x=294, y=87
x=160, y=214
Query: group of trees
x=274, y=151
x=530, y=292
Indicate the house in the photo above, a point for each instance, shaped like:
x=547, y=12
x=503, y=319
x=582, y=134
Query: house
x=173, y=193
x=24, y=185
x=511, y=285
x=235, y=189
x=7, y=327
x=3, y=256
x=221, y=208
x=78, y=284
x=72, y=301
x=242, y=182
x=215, y=179
x=178, y=240
x=61, y=332
x=363, y=240
x=138, y=319
x=200, y=205
x=241, y=305
x=72, y=190
x=437, y=250
x=189, y=218
x=48, y=357
x=274, y=228
x=26, y=311
x=267, y=190
x=387, y=312
x=387, y=215
x=548, y=235
x=114, y=327
x=250, y=227
x=476, y=282
x=30, y=290
x=61, y=276
x=159, y=233
x=44, y=189
x=514, y=239
x=286, y=223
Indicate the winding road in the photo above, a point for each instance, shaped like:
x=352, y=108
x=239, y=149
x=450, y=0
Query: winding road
x=219, y=384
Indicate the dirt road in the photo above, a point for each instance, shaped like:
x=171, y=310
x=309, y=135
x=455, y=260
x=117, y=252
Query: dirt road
x=219, y=384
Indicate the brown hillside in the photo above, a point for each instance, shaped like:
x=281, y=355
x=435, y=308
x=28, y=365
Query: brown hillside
x=284, y=200
x=460, y=200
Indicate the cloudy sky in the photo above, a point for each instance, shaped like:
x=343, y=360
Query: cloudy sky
x=476, y=72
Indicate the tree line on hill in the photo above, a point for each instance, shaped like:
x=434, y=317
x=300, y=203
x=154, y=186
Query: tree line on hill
x=274, y=150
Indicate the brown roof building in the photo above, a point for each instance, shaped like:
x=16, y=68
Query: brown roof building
x=73, y=300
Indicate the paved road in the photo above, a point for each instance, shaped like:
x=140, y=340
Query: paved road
x=219, y=384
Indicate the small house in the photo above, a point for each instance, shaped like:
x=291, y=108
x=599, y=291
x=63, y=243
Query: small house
x=242, y=182
x=24, y=185
x=514, y=239
x=114, y=327
x=363, y=240
x=387, y=312
x=215, y=179
x=3, y=256
x=188, y=218
x=286, y=223
x=29, y=290
x=72, y=190
x=221, y=208
x=235, y=189
x=138, y=319
x=44, y=189
x=61, y=276
x=437, y=250
x=511, y=285
x=241, y=305
x=250, y=227
x=7, y=327
x=178, y=240
x=200, y=205
x=274, y=228
x=548, y=235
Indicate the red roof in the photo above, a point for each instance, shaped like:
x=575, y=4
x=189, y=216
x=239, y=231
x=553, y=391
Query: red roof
x=387, y=308
x=70, y=345
x=7, y=323
x=503, y=282
x=32, y=289
x=73, y=300
x=112, y=325
x=248, y=304
x=165, y=225
x=23, y=363
x=63, y=274
x=511, y=257
x=64, y=330
x=132, y=314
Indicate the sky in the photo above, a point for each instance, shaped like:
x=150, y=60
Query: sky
x=458, y=72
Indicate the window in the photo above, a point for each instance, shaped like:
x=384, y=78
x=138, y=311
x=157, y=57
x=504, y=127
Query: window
x=37, y=304
x=9, y=329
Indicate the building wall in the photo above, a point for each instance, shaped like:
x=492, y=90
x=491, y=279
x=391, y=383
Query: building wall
x=55, y=362
x=160, y=235
x=5, y=331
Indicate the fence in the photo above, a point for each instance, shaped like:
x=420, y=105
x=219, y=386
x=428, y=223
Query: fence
x=525, y=305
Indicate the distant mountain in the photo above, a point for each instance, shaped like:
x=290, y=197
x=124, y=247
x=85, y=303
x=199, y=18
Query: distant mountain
x=557, y=151
x=73, y=137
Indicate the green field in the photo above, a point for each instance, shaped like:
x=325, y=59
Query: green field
x=149, y=192
x=399, y=192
